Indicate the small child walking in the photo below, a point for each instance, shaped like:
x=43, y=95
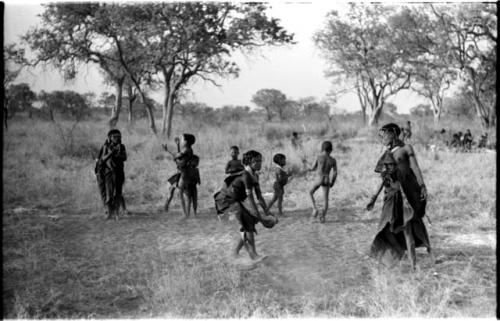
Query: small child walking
x=281, y=179
x=323, y=166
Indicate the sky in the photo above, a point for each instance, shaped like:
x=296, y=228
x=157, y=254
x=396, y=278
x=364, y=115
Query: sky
x=296, y=70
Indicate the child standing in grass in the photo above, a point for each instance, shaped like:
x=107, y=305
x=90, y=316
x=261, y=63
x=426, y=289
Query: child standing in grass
x=110, y=173
x=281, y=179
x=192, y=178
x=182, y=159
x=234, y=165
x=246, y=192
x=323, y=166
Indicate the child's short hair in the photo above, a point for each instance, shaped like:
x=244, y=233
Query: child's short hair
x=294, y=134
x=249, y=156
x=326, y=146
x=189, y=138
x=235, y=147
x=277, y=158
x=114, y=132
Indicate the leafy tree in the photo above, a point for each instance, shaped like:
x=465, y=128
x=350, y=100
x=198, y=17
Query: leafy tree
x=459, y=105
x=470, y=34
x=390, y=109
x=235, y=113
x=177, y=41
x=21, y=98
x=273, y=101
x=14, y=61
x=365, y=49
x=68, y=103
x=421, y=110
x=106, y=100
x=310, y=107
x=71, y=34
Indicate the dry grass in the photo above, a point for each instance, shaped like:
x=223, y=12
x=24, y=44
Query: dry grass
x=62, y=260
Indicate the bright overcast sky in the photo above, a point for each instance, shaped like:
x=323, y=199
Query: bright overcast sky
x=296, y=70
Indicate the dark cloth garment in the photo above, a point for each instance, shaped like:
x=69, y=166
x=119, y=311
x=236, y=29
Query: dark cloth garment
x=396, y=215
x=110, y=174
x=409, y=184
x=246, y=219
x=174, y=179
x=234, y=166
x=119, y=156
x=191, y=175
x=236, y=192
x=225, y=197
x=182, y=161
x=183, y=158
x=113, y=182
x=192, y=178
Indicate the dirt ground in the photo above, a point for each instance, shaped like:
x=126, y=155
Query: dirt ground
x=303, y=258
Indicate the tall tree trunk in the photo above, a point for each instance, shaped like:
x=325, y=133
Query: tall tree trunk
x=493, y=115
x=170, y=114
x=437, y=107
x=115, y=111
x=376, y=111
x=166, y=111
x=149, y=110
x=131, y=99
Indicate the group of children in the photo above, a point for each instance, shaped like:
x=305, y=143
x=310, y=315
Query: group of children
x=401, y=227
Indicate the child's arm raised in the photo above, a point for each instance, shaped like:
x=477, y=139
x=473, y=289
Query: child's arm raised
x=374, y=198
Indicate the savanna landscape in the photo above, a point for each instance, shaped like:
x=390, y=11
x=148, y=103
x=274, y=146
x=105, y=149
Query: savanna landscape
x=63, y=259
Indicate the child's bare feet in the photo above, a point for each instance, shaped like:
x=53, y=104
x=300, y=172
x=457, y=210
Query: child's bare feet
x=314, y=213
x=258, y=258
x=322, y=219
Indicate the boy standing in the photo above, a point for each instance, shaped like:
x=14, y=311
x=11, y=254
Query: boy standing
x=247, y=191
x=323, y=166
x=234, y=165
x=281, y=179
x=182, y=160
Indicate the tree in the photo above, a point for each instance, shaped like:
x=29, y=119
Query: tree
x=235, y=113
x=421, y=110
x=14, y=61
x=273, y=101
x=106, y=100
x=68, y=104
x=21, y=98
x=196, y=40
x=470, y=36
x=458, y=105
x=390, y=109
x=80, y=33
x=365, y=49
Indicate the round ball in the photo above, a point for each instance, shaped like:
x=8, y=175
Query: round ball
x=269, y=221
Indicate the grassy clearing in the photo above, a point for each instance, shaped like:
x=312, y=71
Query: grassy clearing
x=62, y=260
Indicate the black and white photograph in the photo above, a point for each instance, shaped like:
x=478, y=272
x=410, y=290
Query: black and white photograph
x=234, y=160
